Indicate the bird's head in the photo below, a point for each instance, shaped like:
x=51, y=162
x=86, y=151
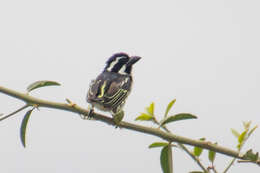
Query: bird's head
x=121, y=63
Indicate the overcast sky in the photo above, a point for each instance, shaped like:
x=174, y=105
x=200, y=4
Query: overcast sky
x=203, y=53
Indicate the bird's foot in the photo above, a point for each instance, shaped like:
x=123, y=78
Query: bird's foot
x=90, y=114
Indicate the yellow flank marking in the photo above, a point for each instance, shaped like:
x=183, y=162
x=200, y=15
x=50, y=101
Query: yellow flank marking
x=102, y=90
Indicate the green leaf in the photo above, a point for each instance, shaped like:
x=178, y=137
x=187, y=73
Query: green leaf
x=169, y=107
x=235, y=133
x=242, y=136
x=197, y=150
x=177, y=117
x=239, y=146
x=212, y=155
x=241, y=139
x=144, y=117
x=166, y=159
x=158, y=144
x=245, y=135
x=252, y=130
x=40, y=84
x=150, y=109
x=247, y=125
x=251, y=156
x=23, y=127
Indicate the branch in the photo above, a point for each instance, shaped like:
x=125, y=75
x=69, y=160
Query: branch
x=32, y=101
x=229, y=165
x=15, y=112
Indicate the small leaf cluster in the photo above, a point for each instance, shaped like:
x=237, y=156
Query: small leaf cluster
x=252, y=156
x=166, y=151
x=150, y=116
x=197, y=151
x=243, y=137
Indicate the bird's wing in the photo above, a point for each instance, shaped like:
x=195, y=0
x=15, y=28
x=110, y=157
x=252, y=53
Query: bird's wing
x=115, y=95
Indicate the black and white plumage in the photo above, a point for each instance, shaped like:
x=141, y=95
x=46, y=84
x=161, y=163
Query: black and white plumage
x=110, y=89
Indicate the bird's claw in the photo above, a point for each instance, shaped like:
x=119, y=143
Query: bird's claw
x=90, y=112
x=89, y=115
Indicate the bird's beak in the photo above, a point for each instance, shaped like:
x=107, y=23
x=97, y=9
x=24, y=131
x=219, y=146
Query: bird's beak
x=133, y=60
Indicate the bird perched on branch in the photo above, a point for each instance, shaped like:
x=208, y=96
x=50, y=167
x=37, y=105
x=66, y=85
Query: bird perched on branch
x=108, y=92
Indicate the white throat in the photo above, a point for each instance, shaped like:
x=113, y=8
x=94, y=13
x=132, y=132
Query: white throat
x=122, y=70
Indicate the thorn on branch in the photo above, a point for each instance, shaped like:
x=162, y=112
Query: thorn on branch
x=70, y=103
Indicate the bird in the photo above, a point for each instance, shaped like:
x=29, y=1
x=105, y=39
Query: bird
x=109, y=91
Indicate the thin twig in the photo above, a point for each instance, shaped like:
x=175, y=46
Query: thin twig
x=13, y=113
x=234, y=159
x=213, y=168
x=229, y=165
x=193, y=157
x=249, y=161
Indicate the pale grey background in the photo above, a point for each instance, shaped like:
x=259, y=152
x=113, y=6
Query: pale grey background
x=203, y=53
